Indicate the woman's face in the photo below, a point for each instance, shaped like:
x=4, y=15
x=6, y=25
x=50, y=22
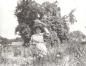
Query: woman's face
x=38, y=30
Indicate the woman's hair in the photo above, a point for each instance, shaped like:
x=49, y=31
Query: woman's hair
x=41, y=28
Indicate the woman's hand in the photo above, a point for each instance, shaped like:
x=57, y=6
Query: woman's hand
x=38, y=21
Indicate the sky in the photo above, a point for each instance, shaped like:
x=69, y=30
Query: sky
x=8, y=20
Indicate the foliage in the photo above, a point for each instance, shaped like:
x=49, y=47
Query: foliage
x=72, y=18
x=28, y=10
x=4, y=41
x=77, y=36
x=76, y=48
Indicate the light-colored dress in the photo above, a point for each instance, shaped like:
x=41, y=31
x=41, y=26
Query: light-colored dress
x=38, y=41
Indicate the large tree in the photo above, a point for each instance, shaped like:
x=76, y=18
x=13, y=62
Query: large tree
x=49, y=13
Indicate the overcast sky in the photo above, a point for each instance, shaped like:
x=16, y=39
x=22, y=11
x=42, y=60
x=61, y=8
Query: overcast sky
x=8, y=20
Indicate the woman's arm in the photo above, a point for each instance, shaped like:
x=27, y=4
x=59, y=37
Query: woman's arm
x=47, y=33
x=31, y=40
x=38, y=21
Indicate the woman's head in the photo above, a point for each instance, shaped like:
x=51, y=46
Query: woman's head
x=38, y=29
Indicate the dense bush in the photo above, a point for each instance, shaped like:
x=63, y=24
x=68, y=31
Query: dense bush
x=28, y=10
x=4, y=41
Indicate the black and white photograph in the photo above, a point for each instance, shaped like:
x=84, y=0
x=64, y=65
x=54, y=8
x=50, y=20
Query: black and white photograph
x=42, y=33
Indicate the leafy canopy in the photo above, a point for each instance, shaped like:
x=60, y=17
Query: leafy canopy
x=49, y=13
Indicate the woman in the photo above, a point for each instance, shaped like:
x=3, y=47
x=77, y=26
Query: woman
x=38, y=40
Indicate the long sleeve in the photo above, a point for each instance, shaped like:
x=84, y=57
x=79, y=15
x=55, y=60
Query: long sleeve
x=47, y=31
